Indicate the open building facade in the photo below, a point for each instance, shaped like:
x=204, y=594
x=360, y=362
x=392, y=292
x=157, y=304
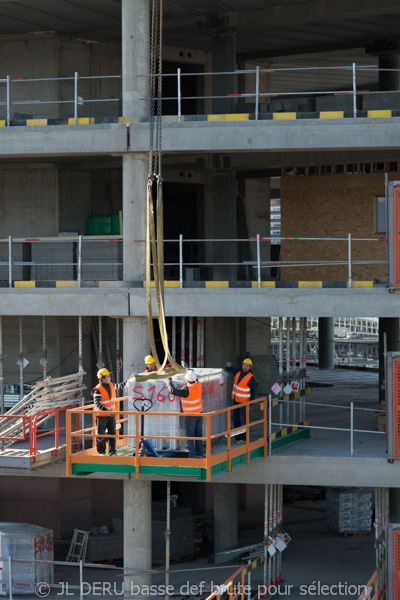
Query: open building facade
x=289, y=100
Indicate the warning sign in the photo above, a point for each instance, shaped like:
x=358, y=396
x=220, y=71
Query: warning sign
x=276, y=388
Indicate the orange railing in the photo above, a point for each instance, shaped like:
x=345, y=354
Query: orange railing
x=30, y=429
x=227, y=454
x=371, y=589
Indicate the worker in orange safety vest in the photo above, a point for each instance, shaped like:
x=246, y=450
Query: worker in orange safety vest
x=244, y=390
x=192, y=405
x=104, y=395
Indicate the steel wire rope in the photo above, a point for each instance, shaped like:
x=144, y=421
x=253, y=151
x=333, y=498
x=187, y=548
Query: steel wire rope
x=155, y=235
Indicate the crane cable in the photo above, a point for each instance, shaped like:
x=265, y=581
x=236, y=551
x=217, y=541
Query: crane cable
x=155, y=234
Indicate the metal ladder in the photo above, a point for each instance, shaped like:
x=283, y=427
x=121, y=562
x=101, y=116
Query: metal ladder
x=78, y=547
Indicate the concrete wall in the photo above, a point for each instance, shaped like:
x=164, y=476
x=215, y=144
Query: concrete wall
x=28, y=200
x=48, y=54
x=30, y=56
x=61, y=504
x=331, y=206
x=258, y=336
x=74, y=193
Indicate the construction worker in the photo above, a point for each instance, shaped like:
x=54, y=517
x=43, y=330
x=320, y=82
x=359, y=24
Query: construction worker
x=191, y=404
x=150, y=364
x=244, y=390
x=104, y=398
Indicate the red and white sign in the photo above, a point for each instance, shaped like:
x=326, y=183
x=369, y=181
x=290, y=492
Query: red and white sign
x=276, y=388
x=295, y=386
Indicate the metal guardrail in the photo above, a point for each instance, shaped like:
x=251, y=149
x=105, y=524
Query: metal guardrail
x=207, y=462
x=76, y=101
x=84, y=267
x=258, y=94
x=302, y=404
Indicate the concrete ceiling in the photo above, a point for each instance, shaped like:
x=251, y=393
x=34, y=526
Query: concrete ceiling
x=264, y=28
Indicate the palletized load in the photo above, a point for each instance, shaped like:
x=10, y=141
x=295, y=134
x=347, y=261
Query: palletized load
x=348, y=509
x=214, y=394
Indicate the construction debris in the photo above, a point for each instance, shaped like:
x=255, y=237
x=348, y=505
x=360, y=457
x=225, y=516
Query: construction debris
x=228, y=555
x=48, y=395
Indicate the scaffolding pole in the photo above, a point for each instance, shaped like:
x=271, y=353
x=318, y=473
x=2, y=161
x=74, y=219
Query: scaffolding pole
x=44, y=361
x=21, y=361
x=190, y=342
x=280, y=334
x=202, y=342
x=266, y=532
x=1, y=367
x=118, y=362
x=182, y=340
x=287, y=365
x=174, y=338
x=294, y=360
x=168, y=539
x=100, y=364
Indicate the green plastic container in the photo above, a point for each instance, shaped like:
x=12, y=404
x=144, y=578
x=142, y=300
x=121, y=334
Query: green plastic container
x=99, y=225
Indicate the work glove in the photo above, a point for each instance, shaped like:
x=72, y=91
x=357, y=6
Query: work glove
x=228, y=364
x=169, y=380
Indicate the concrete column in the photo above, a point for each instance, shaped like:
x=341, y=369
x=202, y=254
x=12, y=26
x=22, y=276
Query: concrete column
x=135, y=345
x=223, y=60
x=389, y=80
x=394, y=505
x=225, y=340
x=225, y=516
x=135, y=168
x=326, y=343
x=254, y=212
x=135, y=57
x=390, y=326
x=137, y=532
x=224, y=224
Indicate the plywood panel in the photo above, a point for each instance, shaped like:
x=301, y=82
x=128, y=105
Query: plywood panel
x=331, y=206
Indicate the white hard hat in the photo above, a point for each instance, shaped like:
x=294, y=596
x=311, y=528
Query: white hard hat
x=190, y=375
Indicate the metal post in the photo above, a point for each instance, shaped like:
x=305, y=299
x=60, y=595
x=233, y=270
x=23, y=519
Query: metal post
x=190, y=342
x=1, y=367
x=266, y=492
x=294, y=370
x=198, y=341
x=180, y=260
x=182, y=340
x=269, y=424
x=287, y=365
x=79, y=274
x=8, y=102
x=81, y=579
x=258, y=261
x=44, y=357
x=174, y=338
x=21, y=362
x=354, y=92
x=80, y=345
x=76, y=97
x=248, y=580
x=118, y=353
x=10, y=262
x=351, y=427
x=9, y=578
x=273, y=532
x=301, y=365
x=270, y=521
x=280, y=333
x=202, y=342
x=179, y=96
x=376, y=527
x=101, y=360
x=167, y=539
x=349, y=245
x=257, y=92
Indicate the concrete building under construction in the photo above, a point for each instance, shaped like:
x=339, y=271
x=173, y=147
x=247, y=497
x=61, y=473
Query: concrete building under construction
x=261, y=100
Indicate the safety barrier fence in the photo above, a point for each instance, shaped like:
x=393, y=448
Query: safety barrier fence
x=257, y=94
x=76, y=100
x=226, y=453
x=31, y=432
x=18, y=90
x=89, y=580
x=371, y=589
x=100, y=258
x=280, y=423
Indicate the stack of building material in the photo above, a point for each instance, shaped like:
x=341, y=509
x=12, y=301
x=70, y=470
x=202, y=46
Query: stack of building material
x=348, y=510
x=214, y=395
x=49, y=394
